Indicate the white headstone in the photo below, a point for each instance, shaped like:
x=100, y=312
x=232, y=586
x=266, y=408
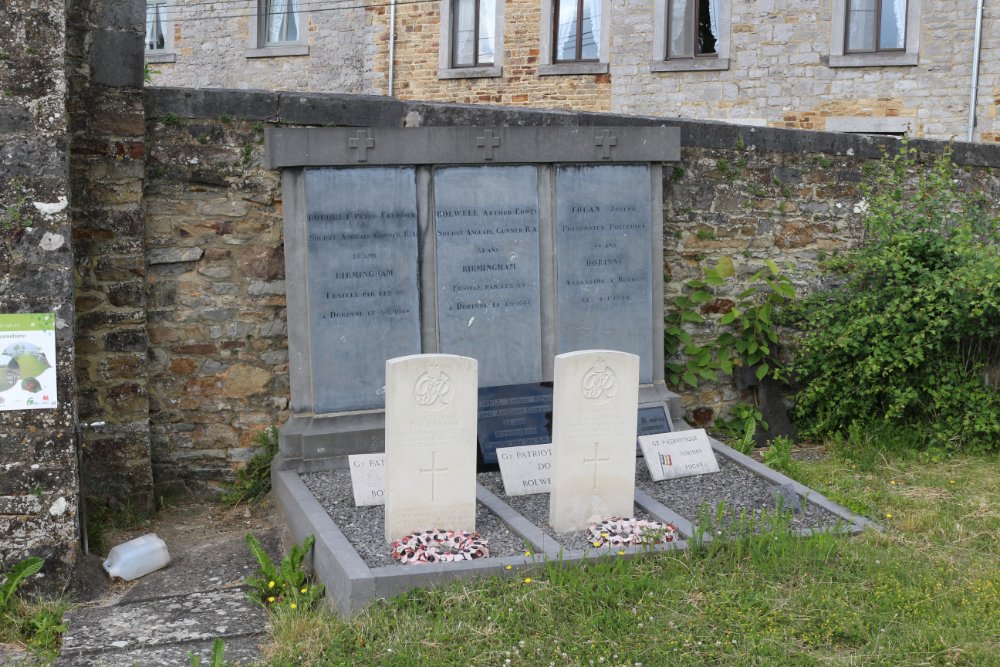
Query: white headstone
x=430, y=443
x=526, y=469
x=596, y=398
x=679, y=454
x=368, y=478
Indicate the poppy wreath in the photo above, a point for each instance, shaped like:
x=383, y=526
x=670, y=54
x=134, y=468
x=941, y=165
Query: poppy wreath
x=618, y=532
x=439, y=546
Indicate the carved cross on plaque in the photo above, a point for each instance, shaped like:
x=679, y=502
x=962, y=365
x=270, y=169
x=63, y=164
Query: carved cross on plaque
x=362, y=143
x=595, y=461
x=606, y=141
x=488, y=142
x=432, y=471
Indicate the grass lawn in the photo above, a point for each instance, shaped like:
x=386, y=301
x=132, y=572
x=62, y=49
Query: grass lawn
x=926, y=591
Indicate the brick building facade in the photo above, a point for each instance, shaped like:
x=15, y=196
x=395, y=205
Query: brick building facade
x=780, y=63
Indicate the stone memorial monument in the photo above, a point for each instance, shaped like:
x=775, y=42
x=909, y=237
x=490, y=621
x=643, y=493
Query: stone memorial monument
x=593, y=439
x=430, y=444
x=506, y=245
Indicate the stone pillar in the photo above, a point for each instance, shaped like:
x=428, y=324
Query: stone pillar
x=39, y=479
x=107, y=167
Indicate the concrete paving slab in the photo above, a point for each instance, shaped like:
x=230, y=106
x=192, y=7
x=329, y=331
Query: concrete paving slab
x=239, y=650
x=187, y=618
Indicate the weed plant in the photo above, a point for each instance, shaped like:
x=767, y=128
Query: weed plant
x=283, y=586
x=911, y=339
x=253, y=480
x=33, y=623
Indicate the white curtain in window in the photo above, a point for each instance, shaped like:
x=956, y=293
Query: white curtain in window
x=713, y=17
x=566, y=33
x=899, y=10
x=150, y=24
x=282, y=20
x=487, y=26
x=591, y=26
x=681, y=29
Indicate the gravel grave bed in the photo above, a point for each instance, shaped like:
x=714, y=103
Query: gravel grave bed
x=739, y=488
x=364, y=527
x=535, y=508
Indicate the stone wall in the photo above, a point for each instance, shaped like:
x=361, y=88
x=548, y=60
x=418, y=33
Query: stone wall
x=218, y=346
x=107, y=168
x=38, y=464
x=779, y=71
x=211, y=48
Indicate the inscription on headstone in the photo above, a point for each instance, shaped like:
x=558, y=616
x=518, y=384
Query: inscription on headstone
x=430, y=444
x=680, y=454
x=604, y=261
x=593, y=437
x=362, y=281
x=653, y=420
x=486, y=226
x=526, y=470
x=512, y=416
x=368, y=478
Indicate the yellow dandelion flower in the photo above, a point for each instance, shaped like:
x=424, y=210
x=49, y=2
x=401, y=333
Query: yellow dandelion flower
x=597, y=544
x=892, y=481
x=304, y=590
x=271, y=599
x=294, y=606
x=508, y=567
x=527, y=580
x=888, y=516
x=621, y=553
x=270, y=584
x=527, y=553
x=951, y=481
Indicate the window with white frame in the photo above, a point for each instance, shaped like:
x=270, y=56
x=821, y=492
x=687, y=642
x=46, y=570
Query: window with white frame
x=471, y=45
x=874, y=33
x=575, y=37
x=691, y=35
x=279, y=29
x=159, y=32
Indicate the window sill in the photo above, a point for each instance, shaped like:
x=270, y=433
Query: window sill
x=470, y=73
x=558, y=69
x=873, y=60
x=159, y=57
x=278, y=51
x=690, y=65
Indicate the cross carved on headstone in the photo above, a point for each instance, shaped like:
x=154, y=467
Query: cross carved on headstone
x=432, y=471
x=606, y=141
x=362, y=142
x=595, y=461
x=488, y=142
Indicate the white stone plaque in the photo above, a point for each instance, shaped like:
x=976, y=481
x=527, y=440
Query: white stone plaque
x=526, y=470
x=430, y=443
x=368, y=478
x=680, y=454
x=593, y=437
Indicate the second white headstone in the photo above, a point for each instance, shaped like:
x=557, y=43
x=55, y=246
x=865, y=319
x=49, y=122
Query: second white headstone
x=430, y=443
x=596, y=399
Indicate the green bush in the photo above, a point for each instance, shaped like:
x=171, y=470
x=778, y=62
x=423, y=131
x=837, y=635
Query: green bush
x=912, y=334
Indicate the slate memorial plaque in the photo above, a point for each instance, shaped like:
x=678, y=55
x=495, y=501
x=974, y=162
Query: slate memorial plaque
x=513, y=415
x=680, y=454
x=653, y=420
x=526, y=470
x=604, y=261
x=486, y=227
x=362, y=281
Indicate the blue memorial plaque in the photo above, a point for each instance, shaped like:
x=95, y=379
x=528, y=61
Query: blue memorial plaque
x=486, y=234
x=514, y=415
x=362, y=284
x=604, y=261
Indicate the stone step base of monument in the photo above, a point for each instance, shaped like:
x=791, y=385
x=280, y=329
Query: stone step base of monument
x=353, y=560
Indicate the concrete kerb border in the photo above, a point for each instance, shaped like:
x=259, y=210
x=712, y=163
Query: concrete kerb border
x=352, y=585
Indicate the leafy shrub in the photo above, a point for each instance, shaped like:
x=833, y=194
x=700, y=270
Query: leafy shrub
x=912, y=336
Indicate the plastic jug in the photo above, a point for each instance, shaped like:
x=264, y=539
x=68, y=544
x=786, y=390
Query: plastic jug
x=137, y=558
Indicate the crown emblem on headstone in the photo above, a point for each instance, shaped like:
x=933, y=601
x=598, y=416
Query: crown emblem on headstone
x=433, y=388
x=600, y=383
